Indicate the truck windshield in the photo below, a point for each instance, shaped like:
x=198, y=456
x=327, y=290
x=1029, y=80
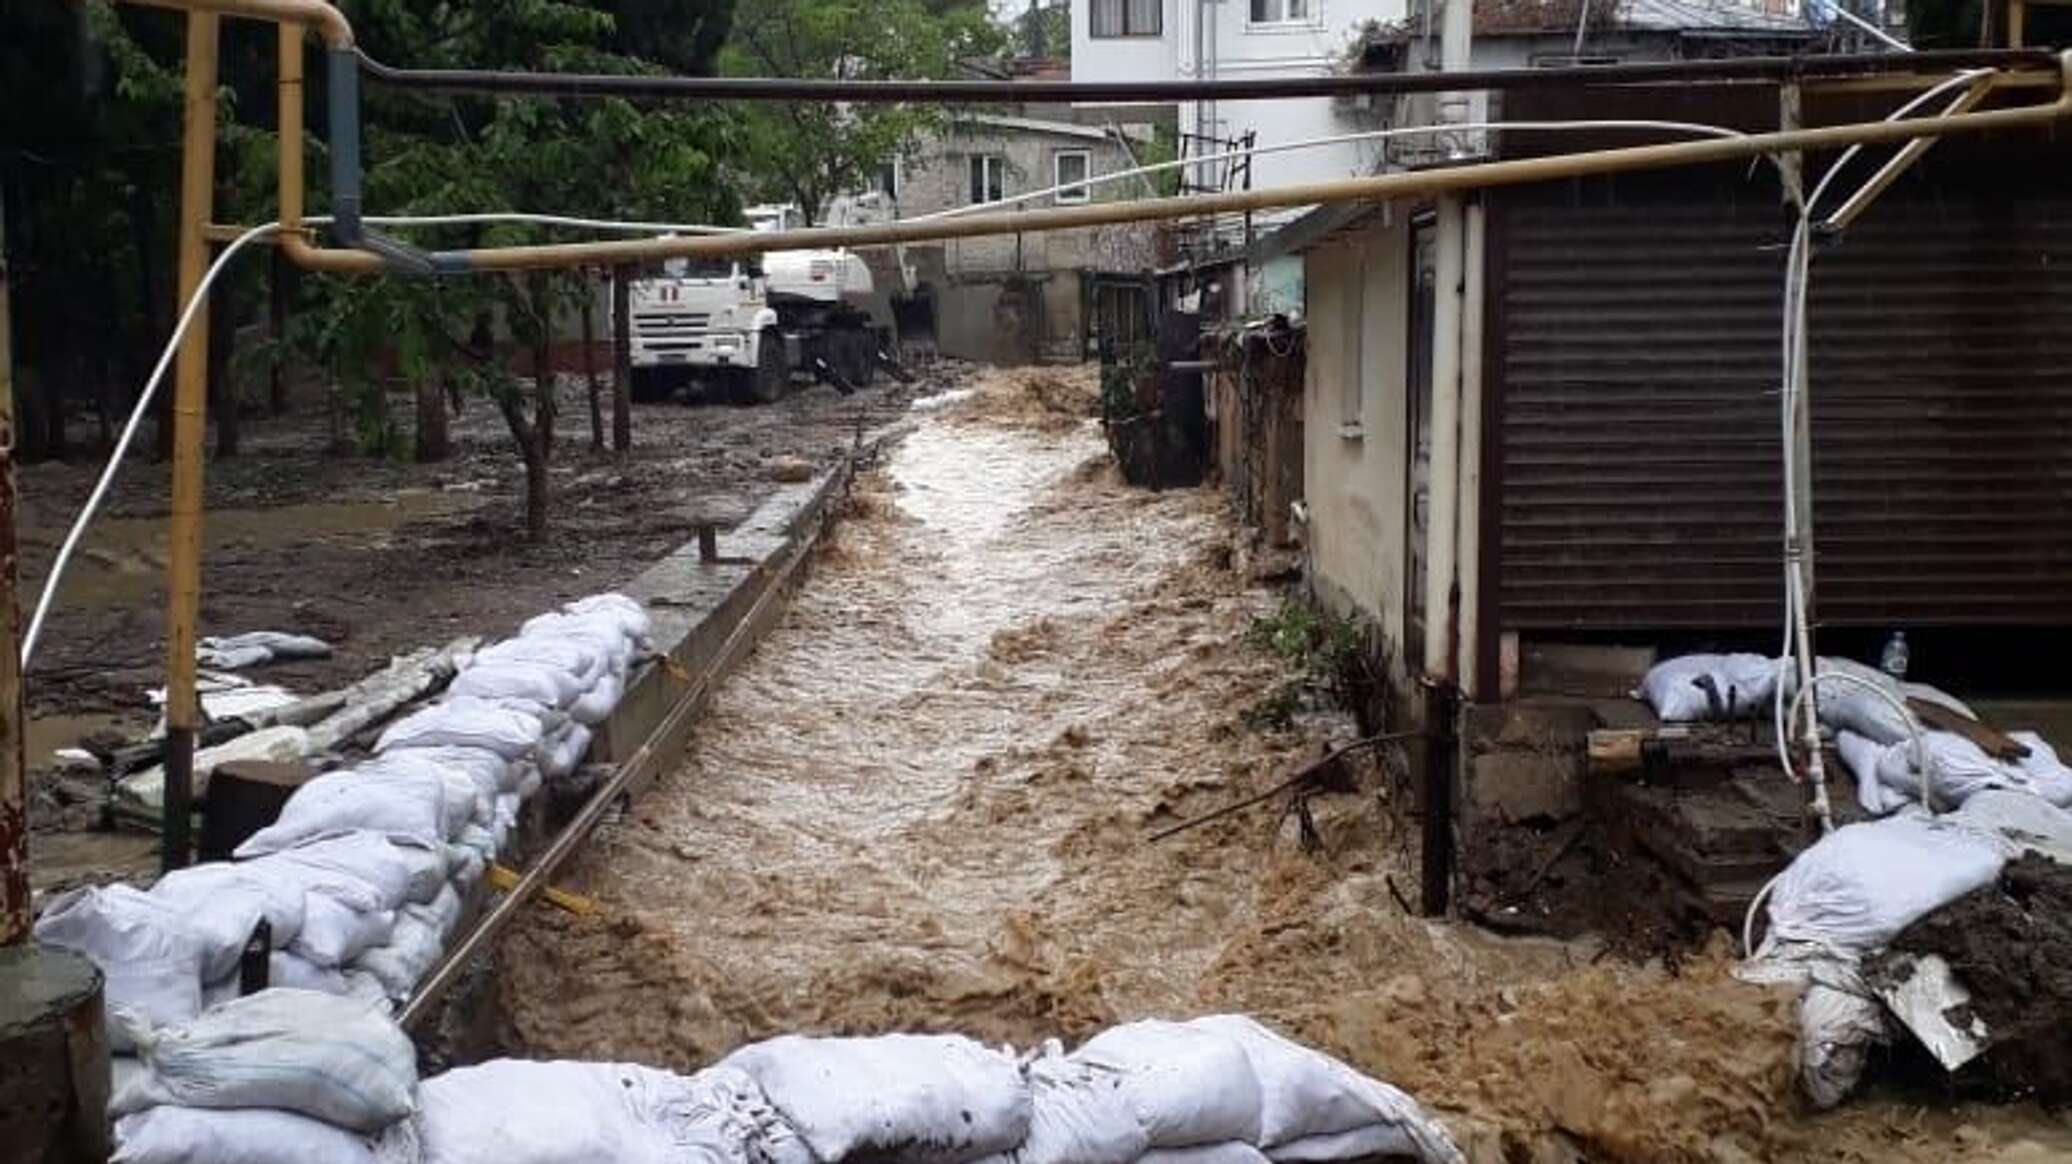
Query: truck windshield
x=698, y=268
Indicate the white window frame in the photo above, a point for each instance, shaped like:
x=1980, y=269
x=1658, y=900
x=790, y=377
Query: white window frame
x=1081, y=195
x=986, y=174
x=1312, y=17
x=1122, y=20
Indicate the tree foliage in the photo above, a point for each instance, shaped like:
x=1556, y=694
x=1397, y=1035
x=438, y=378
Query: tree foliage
x=810, y=152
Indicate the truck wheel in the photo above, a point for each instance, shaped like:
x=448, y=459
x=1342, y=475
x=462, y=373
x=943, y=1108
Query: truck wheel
x=769, y=379
x=864, y=369
x=648, y=386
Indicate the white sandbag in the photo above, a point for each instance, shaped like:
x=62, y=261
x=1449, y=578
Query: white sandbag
x=1232, y=1152
x=2026, y=821
x=442, y=912
x=465, y=863
x=462, y=722
x=938, y=1098
x=291, y=971
x=1078, y=1115
x=478, y=840
x=400, y=871
x=601, y=632
x=1305, y=1094
x=1838, y=1029
x=631, y=617
x=1928, y=693
x=489, y=772
x=529, y=780
x=515, y=1111
x=1861, y=754
x=1856, y=888
x=1956, y=769
x=150, y=960
x=233, y=651
x=193, y=1135
x=595, y=705
x=198, y=887
x=543, y=683
x=565, y=752
x=410, y=804
x=334, y=933
x=579, y=658
x=402, y=962
x=462, y=786
x=1709, y=687
x=320, y=1055
x=2041, y=771
x=1368, y=1143
x=1186, y=1085
x=1846, y=705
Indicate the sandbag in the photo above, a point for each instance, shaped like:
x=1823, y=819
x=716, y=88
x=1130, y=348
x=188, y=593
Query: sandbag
x=1186, y=1085
x=399, y=803
x=600, y=632
x=464, y=790
x=334, y=933
x=514, y=1111
x=542, y=683
x=291, y=971
x=319, y=1055
x=199, y=887
x=1710, y=687
x=564, y=754
x=1078, y=1115
x=2041, y=771
x=442, y=912
x=2026, y=821
x=1848, y=706
x=193, y=1135
x=400, y=871
x=1861, y=754
x=410, y=953
x=1956, y=769
x=462, y=722
x=938, y=1098
x=1857, y=887
x=230, y=652
x=580, y=659
x=1838, y=1029
x=595, y=705
x=630, y=616
x=1304, y=1094
x=150, y=960
x=1232, y=1152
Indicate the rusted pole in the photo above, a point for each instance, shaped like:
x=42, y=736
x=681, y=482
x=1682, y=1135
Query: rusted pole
x=190, y=431
x=1442, y=752
x=14, y=772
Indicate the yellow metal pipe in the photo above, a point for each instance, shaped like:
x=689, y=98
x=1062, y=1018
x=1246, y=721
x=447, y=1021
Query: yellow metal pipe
x=190, y=401
x=329, y=22
x=1374, y=188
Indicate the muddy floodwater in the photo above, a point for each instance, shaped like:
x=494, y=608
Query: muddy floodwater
x=924, y=803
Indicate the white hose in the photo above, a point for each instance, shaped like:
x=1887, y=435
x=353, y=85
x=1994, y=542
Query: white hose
x=187, y=315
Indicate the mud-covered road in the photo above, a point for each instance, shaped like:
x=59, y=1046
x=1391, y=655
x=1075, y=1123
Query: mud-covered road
x=924, y=804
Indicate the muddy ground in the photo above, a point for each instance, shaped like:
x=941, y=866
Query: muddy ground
x=377, y=556
x=926, y=803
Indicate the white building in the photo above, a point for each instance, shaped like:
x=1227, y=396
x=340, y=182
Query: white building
x=1171, y=40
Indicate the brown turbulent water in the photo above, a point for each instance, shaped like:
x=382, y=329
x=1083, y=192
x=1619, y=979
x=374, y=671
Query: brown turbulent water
x=923, y=804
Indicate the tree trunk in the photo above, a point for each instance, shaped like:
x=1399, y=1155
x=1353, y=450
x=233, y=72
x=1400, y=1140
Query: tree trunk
x=622, y=358
x=543, y=403
x=535, y=493
x=590, y=363
x=433, y=440
x=222, y=389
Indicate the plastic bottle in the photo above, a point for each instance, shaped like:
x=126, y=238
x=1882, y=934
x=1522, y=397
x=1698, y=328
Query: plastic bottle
x=1894, y=661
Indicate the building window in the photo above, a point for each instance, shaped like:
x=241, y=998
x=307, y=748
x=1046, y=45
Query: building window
x=888, y=179
x=1131, y=17
x=1284, y=11
x=988, y=178
x=1069, y=166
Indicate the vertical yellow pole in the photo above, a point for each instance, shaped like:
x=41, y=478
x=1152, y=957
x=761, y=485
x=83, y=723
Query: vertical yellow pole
x=290, y=119
x=190, y=401
x=14, y=775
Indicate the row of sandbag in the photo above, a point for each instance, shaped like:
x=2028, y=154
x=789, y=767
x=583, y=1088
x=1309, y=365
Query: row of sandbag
x=1851, y=893
x=292, y=1078
x=363, y=876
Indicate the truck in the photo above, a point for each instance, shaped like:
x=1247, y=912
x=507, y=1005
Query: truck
x=746, y=327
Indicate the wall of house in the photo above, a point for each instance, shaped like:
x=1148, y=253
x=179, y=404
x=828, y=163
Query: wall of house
x=1355, y=472
x=1125, y=58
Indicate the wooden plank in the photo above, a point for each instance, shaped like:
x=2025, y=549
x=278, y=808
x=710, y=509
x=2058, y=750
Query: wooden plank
x=1994, y=742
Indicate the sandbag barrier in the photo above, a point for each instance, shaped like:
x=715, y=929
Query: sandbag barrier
x=359, y=883
x=286, y=1077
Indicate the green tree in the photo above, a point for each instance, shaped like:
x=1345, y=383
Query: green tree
x=810, y=152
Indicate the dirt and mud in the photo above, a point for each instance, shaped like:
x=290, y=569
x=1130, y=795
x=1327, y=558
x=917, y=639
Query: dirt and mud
x=925, y=803
x=376, y=556
x=2010, y=944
